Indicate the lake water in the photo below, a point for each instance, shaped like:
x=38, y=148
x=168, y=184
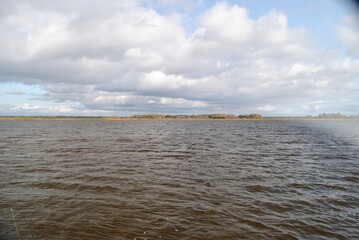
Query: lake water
x=179, y=179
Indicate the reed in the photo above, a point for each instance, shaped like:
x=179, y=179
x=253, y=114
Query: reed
x=15, y=224
x=14, y=215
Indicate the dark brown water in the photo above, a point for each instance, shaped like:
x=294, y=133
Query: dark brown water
x=180, y=180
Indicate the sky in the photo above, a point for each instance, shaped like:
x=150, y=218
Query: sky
x=120, y=58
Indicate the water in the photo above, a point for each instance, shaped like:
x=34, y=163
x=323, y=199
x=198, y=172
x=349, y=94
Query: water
x=180, y=179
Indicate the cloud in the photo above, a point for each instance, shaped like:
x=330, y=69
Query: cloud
x=348, y=34
x=122, y=57
x=16, y=92
x=26, y=106
x=186, y=5
x=35, y=110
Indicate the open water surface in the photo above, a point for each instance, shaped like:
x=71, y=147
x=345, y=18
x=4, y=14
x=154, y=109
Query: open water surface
x=179, y=180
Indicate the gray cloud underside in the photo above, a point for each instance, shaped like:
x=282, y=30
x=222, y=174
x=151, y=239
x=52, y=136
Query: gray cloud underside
x=121, y=56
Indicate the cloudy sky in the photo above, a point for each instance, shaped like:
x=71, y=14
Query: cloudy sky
x=112, y=57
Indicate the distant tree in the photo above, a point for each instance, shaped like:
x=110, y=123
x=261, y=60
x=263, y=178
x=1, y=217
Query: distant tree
x=221, y=116
x=149, y=116
x=250, y=116
x=331, y=115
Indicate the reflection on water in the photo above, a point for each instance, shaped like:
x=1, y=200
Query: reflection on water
x=180, y=180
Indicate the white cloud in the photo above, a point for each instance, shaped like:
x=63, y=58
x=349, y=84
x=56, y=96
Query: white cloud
x=118, y=56
x=235, y=35
x=16, y=92
x=158, y=80
x=26, y=107
x=227, y=23
x=267, y=108
x=348, y=33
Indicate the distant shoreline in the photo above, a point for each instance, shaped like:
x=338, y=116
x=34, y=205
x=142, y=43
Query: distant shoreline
x=94, y=118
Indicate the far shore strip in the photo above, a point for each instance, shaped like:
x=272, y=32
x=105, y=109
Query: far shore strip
x=168, y=118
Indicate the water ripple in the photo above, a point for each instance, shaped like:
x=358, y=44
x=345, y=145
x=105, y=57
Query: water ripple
x=180, y=180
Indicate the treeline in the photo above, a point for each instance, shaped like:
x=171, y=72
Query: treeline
x=138, y=117
x=252, y=116
x=202, y=116
x=335, y=115
x=51, y=117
